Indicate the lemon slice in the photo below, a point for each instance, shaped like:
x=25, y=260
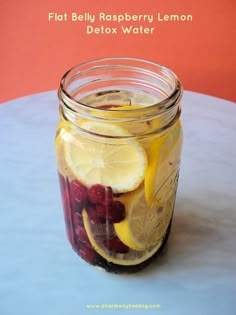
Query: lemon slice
x=98, y=233
x=107, y=161
x=163, y=165
x=128, y=229
x=144, y=225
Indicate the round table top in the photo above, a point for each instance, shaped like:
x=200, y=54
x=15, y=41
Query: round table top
x=41, y=275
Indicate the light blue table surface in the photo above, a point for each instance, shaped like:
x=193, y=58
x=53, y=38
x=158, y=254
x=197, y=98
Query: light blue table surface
x=41, y=275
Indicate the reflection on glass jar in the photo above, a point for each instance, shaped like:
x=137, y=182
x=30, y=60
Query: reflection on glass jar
x=118, y=148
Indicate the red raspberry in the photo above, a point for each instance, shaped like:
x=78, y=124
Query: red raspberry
x=70, y=234
x=88, y=254
x=108, y=195
x=116, y=212
x=115, y=245
x=79, y=195
x=99, y=194
x=113, y=212
x=101, y=212
x=94, y=215
x=66, y=205
x=82, y=235
x=77, y=219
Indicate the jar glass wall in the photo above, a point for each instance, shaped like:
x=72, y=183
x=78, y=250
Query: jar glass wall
x=118, y=149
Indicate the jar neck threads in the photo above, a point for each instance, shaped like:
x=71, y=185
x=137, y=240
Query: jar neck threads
x=87, y=89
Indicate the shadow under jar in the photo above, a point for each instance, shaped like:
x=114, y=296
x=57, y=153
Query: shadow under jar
x=118, y=148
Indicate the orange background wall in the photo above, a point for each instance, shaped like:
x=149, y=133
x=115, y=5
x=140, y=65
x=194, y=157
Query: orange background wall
x=35, y=53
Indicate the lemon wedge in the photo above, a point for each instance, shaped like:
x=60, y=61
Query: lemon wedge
x=163, y=165
x=105, y=160
x=97, y=233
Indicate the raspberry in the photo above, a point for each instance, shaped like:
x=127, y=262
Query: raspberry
x=113, y=212
x=82, y=235
x=101, y=212
x=66, y=205
x=77, y=219
x=94, y=214
x=99, y=194
x=116, y=212
x=70, y=234
x=115, y=245
x=88, y=254
x=79, y=195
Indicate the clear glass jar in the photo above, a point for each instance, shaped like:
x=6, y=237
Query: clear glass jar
x=118, y=148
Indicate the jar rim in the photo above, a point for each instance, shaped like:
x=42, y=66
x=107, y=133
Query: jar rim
x=158, y=108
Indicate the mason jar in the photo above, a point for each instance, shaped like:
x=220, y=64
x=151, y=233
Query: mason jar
x=118, y=148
